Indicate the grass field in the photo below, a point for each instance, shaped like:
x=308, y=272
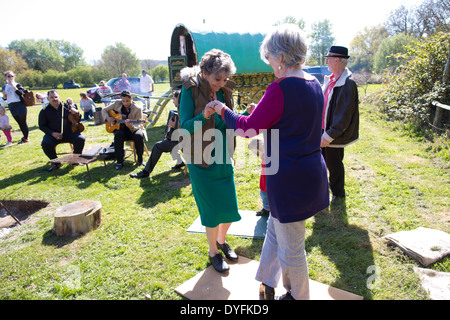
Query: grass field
x=142, y=247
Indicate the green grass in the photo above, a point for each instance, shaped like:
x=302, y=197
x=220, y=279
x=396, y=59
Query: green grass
x=142, y=247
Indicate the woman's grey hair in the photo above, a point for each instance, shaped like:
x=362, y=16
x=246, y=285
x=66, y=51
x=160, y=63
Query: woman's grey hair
x=286, y=40
x=216, y=61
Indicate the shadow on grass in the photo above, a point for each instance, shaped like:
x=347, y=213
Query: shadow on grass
x=347, y=246
x=162, y=187
x=51, y=239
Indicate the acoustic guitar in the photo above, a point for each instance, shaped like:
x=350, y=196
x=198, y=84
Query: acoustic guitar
x=118, y=121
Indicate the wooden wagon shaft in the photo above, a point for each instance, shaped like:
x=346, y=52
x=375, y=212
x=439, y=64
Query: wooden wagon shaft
x=9, y=212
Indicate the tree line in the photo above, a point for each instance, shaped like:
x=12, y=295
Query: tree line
x=376, y=48
x=381, y=47
x=410, y=53
x=49, y=63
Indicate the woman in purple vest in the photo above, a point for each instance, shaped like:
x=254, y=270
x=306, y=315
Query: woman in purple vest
x=290, y=115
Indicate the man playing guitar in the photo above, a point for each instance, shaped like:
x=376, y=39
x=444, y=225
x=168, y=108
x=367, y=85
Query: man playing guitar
x=128, y=130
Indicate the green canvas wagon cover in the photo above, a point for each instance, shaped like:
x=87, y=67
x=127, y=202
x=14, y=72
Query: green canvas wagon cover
x=188, y=46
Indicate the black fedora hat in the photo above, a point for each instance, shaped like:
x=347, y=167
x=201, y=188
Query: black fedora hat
x=338, y=52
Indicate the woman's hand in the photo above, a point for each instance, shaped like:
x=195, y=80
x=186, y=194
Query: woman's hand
x=218, y=106
x=208, y=111
x=251, y=107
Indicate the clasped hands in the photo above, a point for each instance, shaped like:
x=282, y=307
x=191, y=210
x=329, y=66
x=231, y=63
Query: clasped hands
x=213, y=106
x=217, y=106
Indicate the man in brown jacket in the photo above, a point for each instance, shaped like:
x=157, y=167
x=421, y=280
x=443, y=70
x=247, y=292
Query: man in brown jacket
x=128, y=130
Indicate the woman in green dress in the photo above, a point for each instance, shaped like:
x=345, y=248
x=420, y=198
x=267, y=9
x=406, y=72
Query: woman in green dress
x=208, y=152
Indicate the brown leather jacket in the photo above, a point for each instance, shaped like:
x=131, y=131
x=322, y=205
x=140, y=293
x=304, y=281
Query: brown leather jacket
x=201, y=95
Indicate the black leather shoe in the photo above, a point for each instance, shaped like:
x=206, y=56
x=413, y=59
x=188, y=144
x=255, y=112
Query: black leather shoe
x=178, y=166
x=119, y=166
x=262, y=212
x=266, y=292
x=219, y=263
x=286, y=296
x=139, y=175
x=227, y=251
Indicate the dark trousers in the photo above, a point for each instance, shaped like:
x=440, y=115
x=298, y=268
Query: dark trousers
x=49, y=143
x=19, y=112
x=22, y=122
x=122, y=135
x=88, y=114
x=157, y=150
x=334, y=159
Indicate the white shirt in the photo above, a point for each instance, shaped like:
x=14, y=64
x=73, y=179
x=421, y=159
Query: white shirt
x=11, y=95
x=146, y=82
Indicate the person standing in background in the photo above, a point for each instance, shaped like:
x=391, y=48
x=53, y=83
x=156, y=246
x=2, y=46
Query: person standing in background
x=340, y=122
x=147, y=87
x=17, y=108
x=124, y=84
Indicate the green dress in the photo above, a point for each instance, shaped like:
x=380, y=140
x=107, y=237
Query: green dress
x=213, y=187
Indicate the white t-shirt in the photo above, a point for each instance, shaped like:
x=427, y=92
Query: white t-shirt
x=11, y=95
x=146, y=83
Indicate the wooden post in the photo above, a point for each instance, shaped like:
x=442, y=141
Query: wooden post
x=439, y=109
x=77, y=218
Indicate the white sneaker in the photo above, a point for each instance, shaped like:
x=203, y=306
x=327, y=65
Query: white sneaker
x=8, y=144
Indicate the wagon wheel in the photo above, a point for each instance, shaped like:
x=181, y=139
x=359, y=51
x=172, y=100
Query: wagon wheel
x=258, y=95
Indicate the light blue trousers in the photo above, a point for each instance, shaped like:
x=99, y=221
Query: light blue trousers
x=283, y=255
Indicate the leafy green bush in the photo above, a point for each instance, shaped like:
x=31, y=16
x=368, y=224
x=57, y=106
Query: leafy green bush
x=413, y=86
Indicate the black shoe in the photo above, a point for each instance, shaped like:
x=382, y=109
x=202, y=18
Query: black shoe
x=219, y=263
x=262, y=212
x=266, y=292
x=178, y=166
x=119, y=166
x=141, y=174
x=286, y=296
x=227, y=251
x=54, y=167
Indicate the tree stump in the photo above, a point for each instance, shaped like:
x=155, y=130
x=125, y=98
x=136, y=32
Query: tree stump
x=77, y=218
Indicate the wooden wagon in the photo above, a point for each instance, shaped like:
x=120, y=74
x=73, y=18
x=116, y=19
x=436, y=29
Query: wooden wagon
x=187, y=47
x=252, y=75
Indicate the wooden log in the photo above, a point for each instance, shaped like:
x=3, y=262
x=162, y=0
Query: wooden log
x=77, y=218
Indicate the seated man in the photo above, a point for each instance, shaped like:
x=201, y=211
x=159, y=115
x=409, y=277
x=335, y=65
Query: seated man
x=127, y=130
x=50, y=124
x=166, y=145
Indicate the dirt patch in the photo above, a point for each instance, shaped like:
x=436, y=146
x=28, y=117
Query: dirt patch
x=21, y=209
